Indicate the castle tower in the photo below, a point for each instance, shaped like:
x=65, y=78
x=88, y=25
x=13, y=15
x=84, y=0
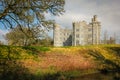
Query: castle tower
x=95, y=25
x=79, y=33
x=56, y=35
x=73, y=35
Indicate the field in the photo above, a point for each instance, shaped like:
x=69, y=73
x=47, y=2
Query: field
x=56, y=63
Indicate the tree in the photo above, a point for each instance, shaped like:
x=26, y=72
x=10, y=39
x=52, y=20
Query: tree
x=1, y=43
x=105, y=37
x=17, y=37
x=29, y=12
x=46, y=41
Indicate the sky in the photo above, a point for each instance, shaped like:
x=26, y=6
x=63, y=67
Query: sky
x=2, y=33
x=107, y=11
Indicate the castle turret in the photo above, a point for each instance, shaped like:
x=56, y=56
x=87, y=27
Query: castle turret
x=56, y=36
x=73, y=35
x=95, y=30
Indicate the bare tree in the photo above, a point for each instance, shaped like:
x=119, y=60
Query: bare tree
x=105, y=37
x=17, y=37
x=1, y=43
x=115, y=38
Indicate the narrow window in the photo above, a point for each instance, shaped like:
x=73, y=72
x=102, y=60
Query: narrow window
x=77, y=42
x=77, y=35
x=77, y=29
x=89, y=29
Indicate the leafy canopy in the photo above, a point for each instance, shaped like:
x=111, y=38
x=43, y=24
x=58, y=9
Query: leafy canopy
x=17, y=37
x=29, y=12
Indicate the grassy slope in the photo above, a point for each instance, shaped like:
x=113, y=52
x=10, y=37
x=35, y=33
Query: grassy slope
x=46, y=63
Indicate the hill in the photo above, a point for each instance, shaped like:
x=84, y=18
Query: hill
x=56, y=63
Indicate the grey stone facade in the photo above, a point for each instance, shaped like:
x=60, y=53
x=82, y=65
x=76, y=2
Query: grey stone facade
x=62, y=37
x=81, y=34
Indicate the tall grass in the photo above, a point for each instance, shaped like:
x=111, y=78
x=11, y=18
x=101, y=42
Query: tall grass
x=53, y=63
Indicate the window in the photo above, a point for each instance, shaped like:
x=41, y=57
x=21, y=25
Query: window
x=77, y=29
x=68, y=34
x=77, y=35
x=89, y=35
x=77, y=42
x=95, y=35
x=89, y=29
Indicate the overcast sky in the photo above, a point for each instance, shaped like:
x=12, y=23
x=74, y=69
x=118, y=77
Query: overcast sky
x=108, y=12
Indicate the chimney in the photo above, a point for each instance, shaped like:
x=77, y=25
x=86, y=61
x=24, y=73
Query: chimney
x=95, y=18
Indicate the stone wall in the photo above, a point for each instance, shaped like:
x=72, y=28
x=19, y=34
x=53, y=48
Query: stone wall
x=81, y=34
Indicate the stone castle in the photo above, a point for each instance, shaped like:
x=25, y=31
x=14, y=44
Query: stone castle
x=81, y=34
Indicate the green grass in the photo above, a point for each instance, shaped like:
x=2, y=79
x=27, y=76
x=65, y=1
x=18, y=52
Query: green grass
x=36, y=48
x=17, y=52
x=57, y=63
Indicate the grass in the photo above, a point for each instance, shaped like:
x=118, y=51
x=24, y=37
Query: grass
x=36, y=48
x=57, y=63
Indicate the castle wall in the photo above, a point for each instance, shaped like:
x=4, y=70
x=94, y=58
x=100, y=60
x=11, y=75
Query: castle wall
x=66, y=37
x=56, y=35
x=62, y=37
x=81, y=34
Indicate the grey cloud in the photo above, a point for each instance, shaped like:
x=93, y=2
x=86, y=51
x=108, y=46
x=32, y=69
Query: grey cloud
x=108, y=12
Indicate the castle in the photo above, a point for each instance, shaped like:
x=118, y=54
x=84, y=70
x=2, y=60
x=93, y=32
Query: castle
x=81, y=34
